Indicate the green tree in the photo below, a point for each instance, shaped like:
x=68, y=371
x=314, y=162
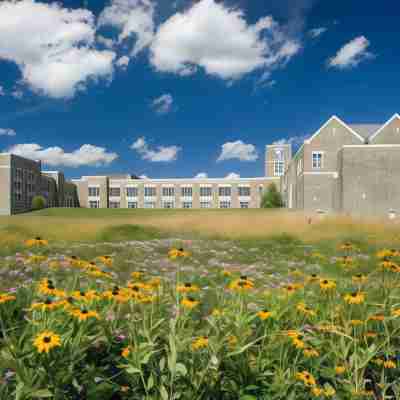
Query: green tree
x=271, y=197
x=38, y=202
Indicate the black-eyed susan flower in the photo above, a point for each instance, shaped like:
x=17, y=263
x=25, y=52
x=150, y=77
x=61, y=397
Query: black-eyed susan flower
x=5, y=298
x=37, y=241
x=396, y=313
x=340, y=369
x=137, y=275
x=47, y=288
x=347, y=246
x=313, y=278
x=384, y=253
x=86, y=296
x=305, y=310
x=46, y=305
x=327, y=284
x=200, y=343
x=354, y=298
x=106, y=260
x=307, y=378
x=389, y=364
x=265, y=314
x=310, y=352
x=317, y=391
x=187, y=288
x=241, y=284
x=126, y=351
x=46, y=341
x=84, y=315
x=189, y=303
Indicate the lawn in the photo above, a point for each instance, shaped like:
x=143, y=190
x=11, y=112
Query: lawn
x=110, y=305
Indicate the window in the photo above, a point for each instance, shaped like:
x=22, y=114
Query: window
x=186, y=192
x=131, y=192
x=132, y=204
x=244, y=191
x=224, y=191
x=168, y=204
x=115, y=192
x=244, y=204
x=224, y=204
x=205, y=204
x=187, y=204
x=18, y=174
x=150, y=204
x=205, y=191
x=94, y=204
x=317, y=159
x=94, y=191
x=18, y=196
x=150, y=191
x=168, y=192
x=279, y=168
x=114, y=204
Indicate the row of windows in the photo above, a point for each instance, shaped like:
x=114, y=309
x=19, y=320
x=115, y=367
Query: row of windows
x=167, y=204
x=24, y=173
x=243, y=191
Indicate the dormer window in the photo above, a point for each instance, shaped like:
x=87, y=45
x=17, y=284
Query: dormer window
x=317, y=159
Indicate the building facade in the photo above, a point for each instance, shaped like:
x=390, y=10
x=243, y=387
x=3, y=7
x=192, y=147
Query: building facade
x=346, y=168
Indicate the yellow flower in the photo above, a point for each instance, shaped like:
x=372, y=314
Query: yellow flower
x=356, y=322
x=106, y=260
x=37, y=241
x=327, y=284
x=126, y=351
x=241, y=284
x=346, y=261
x=347, y=246
x=384, y=253
x=389, y=364
x=232, y=340
x=137, y=275
x=46, y=287
x=81, y=295
x=46, y=305
x=396, y=313
x=298, y=343
x=340, y=369
x=309, y=352
x=121, y=295
x=376, y=317
x=226, y=273
x=189, y=302
x=359, y=278
x=354, y=298
x=36, y=259
x=83, y=315
x=4, y=298
x=293, y=334
x=46, y=341
x=200, y=343
x=317, y=391
x=175, y=253
x=155, y=282
x=264, y=314
x=187, y=288
x=306, y=378
x=305, y=310
x=313, y=278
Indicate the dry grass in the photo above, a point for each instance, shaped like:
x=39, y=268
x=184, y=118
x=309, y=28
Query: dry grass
x=229, y=224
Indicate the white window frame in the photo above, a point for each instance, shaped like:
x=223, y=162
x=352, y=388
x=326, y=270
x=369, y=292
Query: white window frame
x=320, y=164
x=244, y=204
x=149, y=204
x=187, y=204
x=168, y=204
x=205, y=204
x=132, y=204
x=246, y=188
x=186, y=191
x=223, y=190
x=133, y=189
x=96, y=189
x=115, y=204
x=152, y=190
x=279, y=167
x=96, y=202
x=225, y=204
x=208, y=189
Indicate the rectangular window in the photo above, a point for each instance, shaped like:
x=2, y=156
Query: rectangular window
x=114, y=204
x=93, y=191
x=131, y=192
x=186, y=192
x=187, y=204
x=115, y=192
x=94, y=204
x=205, y=191
x=224, y=191
x=279, y=168
x=224, y=204
x=168, y=191
x=244, y=204
x=149, y=204
x=244, y=191
x=150, y=191
x=317, y=159
x=132, y=204
x=205, y=204
x=168, y=204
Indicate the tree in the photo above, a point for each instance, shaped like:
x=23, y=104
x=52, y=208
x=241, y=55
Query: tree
x=38, y=202
x=271, y=197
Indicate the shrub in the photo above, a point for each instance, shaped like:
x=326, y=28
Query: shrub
x=38, y=202
x=271, y=197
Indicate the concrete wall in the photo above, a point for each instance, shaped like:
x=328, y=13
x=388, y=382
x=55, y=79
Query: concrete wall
x=370, y=179
x=5, y=184
x=389, y=134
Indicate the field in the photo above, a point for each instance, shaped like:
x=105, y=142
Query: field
x=226, y=305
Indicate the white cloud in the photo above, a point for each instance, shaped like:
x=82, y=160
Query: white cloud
x=161, y=154
x=163, y=104
x=106, y=42
x=143, y=177
x=294, y=140
x=219, y=39
x=133, y=18
x=238, y=150
x=316, y=32
x=351, y=54
x=202, y=175
x=265, y=81
x=2, y=92
x=87, y=154
x=7, y=132
x=123, y=62
x=232, y=175
x=52, y=46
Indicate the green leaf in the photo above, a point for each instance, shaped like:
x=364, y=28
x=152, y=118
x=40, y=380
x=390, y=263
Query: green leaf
x=163, y=393
x=40, y=394
x=150, y=382
x=181, y=369
x=133, y=370
x=162, y=364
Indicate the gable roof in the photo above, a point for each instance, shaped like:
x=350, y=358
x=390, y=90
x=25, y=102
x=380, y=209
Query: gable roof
x=337, y=119
x=365, y=130
x=384, y=126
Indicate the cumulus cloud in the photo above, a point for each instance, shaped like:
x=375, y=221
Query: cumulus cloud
x=106, y=42
x=163, y=104
x=351, y=54
x=55, y=156
x=160, y=154
x=316, y=32
x=232, y=175
x=123, y=62
x=238, y=150
x=218, y=38
x=201, y=175
x=7, y=132
x=293, y=140
x=132, y=18
x=143, y=177
x=52, y=46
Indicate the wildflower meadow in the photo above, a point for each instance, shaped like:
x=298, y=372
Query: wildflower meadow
x=199, y=319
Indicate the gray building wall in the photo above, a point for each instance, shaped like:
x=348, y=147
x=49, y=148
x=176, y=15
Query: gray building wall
x=389, y=133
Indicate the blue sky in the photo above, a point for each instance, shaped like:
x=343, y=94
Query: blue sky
x=173, y=89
